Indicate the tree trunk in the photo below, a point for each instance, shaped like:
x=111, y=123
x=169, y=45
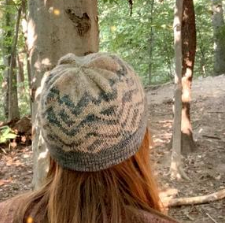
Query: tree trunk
x=20, y=65
x=188, y=59
x=188, y=35
x=20, y=74
x=219, y=37
x=6, y=49
x=5, y=86
x=167, y=49
x=24, y=25
x=176, y=144
x=57, y=28
x=202, y=57
x=13, y=107
x=151, y=42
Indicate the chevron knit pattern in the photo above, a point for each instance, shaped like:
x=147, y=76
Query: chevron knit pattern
x=92, y=112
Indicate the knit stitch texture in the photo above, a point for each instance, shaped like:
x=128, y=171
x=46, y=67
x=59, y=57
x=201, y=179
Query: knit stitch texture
x=93, y=112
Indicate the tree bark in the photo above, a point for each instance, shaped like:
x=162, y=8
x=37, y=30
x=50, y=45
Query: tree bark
x=176, y=144
x=20, y=74
x=13, y=106
x=202, y=58
x=219, y=37
x=5, y=85
x=151, y=42
x=188, y=60
x=6, y=49
x=20, y=65
x=24, y=25
x=57, y=28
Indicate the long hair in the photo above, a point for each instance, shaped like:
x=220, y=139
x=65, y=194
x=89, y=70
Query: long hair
x=104, y=196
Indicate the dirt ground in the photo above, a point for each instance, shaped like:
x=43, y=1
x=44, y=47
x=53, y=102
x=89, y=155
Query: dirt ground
x=205, y=166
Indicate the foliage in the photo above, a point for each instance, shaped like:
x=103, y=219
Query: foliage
x=143, y=38
x=130, y=36
x=204, y=53
x=7, y=31
x=6, y=134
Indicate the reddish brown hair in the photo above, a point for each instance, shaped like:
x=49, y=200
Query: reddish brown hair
x=104, y=196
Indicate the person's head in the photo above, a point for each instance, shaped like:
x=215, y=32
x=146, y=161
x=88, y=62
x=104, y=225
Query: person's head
x=93, y=117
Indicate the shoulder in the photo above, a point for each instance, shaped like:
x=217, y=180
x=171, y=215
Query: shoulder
x=142, y=216
x=155, y=217
x=7, y=209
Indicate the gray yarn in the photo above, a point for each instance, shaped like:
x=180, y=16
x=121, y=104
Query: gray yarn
x=93, y=112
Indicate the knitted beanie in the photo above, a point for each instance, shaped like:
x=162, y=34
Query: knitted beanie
x=93, y=112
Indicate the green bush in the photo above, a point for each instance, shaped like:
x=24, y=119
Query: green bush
x=6, y=133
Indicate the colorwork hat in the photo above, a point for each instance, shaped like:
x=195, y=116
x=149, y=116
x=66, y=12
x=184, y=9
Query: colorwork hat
x=93, y=112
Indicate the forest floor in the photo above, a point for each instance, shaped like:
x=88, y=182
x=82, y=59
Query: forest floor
x=205, y=166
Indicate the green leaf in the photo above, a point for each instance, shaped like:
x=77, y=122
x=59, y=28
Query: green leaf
x=6, y=134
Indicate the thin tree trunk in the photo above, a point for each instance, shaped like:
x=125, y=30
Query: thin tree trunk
x=6, y=49
x=20, y=65
x=219, y=37
x=29, y=80
x=168, y=57
x=188, y=60
x=13, y=98
x=151, y=42
x=13, y=106
x=203, y=55
x=25, y=34
x=5, y=85
x=20, y=74
x=57, y=28
x=176, y=144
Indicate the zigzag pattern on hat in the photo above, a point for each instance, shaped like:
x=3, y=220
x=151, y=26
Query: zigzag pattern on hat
x=92, y=106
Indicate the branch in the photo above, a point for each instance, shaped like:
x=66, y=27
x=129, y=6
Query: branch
x=211, y=137
x=195, y=200
x=131, y=6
